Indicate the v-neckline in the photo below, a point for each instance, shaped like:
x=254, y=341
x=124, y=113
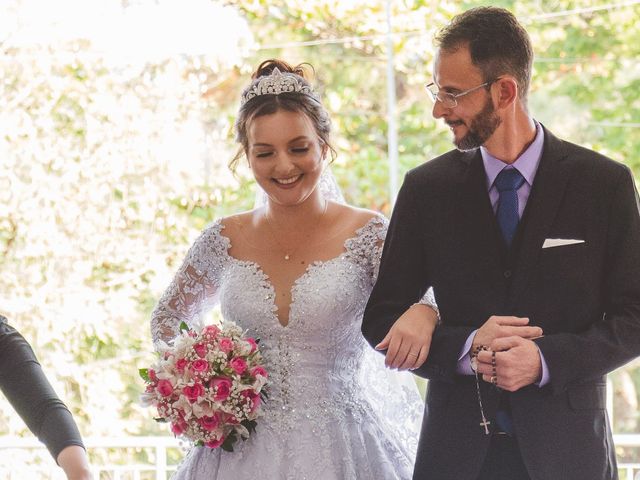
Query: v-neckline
x=268, y=284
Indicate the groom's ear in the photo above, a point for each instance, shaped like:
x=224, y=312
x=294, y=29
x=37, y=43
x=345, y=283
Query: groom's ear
x=505, y=91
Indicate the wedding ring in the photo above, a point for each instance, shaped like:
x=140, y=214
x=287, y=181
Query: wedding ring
x=413, y=354
x=494, y=380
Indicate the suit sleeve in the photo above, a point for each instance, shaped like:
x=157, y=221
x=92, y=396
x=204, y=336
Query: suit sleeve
x=615, y=339
x=30, y=393
x=402, y=281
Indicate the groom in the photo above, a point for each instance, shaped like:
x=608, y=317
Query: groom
x=516, y=226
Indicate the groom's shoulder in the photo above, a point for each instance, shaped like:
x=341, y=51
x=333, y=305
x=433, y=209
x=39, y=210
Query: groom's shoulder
x=443, y=168
x=587, y=163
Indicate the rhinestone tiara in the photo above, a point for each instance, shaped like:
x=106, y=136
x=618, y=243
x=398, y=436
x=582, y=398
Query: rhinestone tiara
x=277, y=83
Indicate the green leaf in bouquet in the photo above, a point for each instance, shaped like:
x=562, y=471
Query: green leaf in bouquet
x=160, y=419
x=184, y=327
x=227, y=445
x=249, y=425
x=263, y=394
x=199, y=443
x=144, y=374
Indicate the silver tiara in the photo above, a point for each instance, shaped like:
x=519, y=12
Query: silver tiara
x=277, y=83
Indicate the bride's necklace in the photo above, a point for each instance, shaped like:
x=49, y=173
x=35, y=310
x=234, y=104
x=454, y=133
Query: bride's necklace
x=288, y=253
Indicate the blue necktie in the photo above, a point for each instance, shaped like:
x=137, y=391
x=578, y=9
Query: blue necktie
x=508, y=181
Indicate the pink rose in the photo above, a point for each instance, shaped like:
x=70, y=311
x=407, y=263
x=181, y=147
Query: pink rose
x=215, y=443
x=256, y=401
x=163, y=410
x=200, y=366
x=225, y=344
x=258, y=370
x=210, y=331
x=193, y=392
x=253, y=399
x=200, y=349
x=152, y=375
x=165, y=388
x=178, y=428
x=253, y=343
x=238, y=365
x=181, y=364
x=231, y=419
x=210, y=423
x=222, y=388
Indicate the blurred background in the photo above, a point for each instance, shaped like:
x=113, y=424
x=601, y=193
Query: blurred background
x=115, y=133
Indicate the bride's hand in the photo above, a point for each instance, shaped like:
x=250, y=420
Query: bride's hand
x=409, y=338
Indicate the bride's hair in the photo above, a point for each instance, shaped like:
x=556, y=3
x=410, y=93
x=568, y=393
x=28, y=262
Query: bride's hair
x=291, y=101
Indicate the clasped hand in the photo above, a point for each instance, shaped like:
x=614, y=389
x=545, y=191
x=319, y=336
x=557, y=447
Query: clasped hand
x=409, y=339
x=517, y=358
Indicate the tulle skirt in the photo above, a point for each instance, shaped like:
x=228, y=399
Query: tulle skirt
x=354, y=446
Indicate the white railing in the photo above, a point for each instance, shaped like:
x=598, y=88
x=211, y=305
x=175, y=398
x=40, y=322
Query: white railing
x=16, y=451
x=628, y=471
x=18, y=455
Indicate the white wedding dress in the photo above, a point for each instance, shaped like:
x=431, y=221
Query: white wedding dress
x=334, y=412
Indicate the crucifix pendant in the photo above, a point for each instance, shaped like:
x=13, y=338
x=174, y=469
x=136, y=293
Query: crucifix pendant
x=484, y=423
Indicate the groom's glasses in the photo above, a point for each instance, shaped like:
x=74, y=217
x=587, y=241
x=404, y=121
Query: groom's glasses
x=450, y=100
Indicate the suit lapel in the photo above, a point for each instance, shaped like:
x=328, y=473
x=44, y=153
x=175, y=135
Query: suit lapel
x=545, y=198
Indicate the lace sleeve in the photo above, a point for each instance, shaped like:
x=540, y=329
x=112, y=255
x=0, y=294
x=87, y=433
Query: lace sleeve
x=429, y=300
x=366, y=247
x=194, y=287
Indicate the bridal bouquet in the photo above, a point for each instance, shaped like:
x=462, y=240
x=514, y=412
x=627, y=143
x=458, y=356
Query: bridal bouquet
x=209, y=385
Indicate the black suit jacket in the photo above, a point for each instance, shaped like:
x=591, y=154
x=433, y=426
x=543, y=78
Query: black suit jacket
x=586, y=298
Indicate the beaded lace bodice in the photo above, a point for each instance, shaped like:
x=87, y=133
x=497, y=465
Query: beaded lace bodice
x=321, y=368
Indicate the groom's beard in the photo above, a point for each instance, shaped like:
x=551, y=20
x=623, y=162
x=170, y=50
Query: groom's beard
x=481, y=128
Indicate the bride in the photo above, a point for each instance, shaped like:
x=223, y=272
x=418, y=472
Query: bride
x=296, y=272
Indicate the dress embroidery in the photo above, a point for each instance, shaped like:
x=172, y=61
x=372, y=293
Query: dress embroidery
x=334, y=412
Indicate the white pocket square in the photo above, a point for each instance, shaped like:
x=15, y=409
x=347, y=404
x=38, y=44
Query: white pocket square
x=559, y=242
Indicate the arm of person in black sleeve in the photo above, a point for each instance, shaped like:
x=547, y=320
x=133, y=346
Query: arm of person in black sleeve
x=24, y=384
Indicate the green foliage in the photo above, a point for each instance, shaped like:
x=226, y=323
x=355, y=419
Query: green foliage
x=144, y=374
x=227, y=445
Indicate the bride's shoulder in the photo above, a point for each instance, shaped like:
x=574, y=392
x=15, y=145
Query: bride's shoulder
x=363, y=218
x=236, y=220
x=222, y=231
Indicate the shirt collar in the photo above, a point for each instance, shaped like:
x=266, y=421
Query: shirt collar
x=526, y=163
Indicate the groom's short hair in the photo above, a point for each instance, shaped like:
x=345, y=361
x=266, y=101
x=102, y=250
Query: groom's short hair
x=497, y=43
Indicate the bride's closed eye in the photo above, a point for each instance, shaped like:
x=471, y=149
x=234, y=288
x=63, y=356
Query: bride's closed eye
x=300, y=150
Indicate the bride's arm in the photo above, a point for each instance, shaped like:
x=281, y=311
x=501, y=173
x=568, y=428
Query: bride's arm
x=193, y=288
x=408, y=341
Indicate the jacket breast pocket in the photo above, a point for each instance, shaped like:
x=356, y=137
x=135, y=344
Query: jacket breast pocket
x=564, y=263
x=587, y=397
